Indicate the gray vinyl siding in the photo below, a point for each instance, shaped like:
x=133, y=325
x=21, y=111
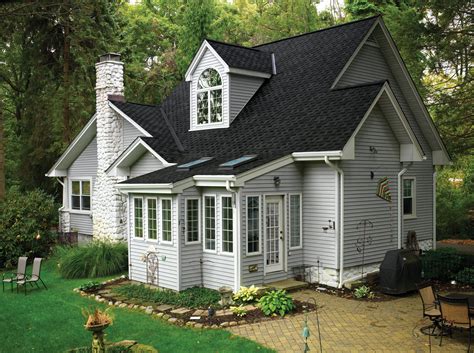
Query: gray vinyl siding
x=291, y=178
x=360, y=199
x=146, y=164
x=242, y=88
x=368, y=66
x=218, y=267
x=319, y=206
x=85, y=166
x=130, y=133
x=167, y=253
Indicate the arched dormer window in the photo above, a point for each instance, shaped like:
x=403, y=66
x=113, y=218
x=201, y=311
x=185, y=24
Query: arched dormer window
x=209, y=97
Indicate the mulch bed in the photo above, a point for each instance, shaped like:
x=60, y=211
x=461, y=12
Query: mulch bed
x=349, y=294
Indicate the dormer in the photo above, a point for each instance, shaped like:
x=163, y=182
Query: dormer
x=223, y=78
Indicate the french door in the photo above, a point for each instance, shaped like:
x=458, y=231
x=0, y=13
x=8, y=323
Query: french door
x=274, y=234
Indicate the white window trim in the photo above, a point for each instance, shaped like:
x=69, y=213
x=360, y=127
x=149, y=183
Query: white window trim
x=301, y=222
x=413, y=197
x=226, y=253
x=209, y=89
x=160, y=210
x=259, y=252
x=147, y=236
x=81, y=211
x=204, y=223
x=133, y=218
x=186, y=221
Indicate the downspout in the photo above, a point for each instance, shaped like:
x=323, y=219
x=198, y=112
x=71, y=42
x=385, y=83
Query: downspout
x=434, y=207
x=236, y=226
x=341, y=218
x=399, y=208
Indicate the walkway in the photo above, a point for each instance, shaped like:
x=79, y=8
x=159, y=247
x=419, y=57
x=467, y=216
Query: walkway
x=353, y=326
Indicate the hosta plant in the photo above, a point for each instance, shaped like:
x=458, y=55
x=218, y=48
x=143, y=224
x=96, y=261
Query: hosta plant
x=363, y=292
x=239, y=311
x=246, y=294
x=276, y=302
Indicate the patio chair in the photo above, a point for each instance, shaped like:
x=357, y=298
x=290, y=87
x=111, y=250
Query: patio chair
x=35, y=276
x=18, y=276
x=430, y=308
x=455, y=315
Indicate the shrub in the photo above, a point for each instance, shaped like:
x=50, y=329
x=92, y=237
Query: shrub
x=466, y=276
x=246, y=294
x=26, y=219
x=276, y=302
x=239, y=311
x=91, y=286
x=363, y=292
x=195, y=297
x=441, y=264
x=97, y=259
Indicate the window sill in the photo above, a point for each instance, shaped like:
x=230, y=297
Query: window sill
x=253, y=254
x=192, y=242
x=409, y=217
x=166, y=243
x=78, y=212
x=296, y=248
x=209, y=251
x=228, y=254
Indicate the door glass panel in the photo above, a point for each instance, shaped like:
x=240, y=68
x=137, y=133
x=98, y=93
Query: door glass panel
x=273, y=233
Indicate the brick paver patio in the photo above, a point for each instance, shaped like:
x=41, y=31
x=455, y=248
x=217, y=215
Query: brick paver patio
x=353, y=326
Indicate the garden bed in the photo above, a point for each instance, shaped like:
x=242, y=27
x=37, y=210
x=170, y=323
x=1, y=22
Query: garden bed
x=349, y=294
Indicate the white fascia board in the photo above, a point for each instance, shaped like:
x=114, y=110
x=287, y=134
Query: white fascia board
x=131, y=155
x=213, y=180
x=251, y=73
x=197, y=59
x=85, y=136
x=130, y=120
x=165, y=188
x=263, y=169
x=316, y=156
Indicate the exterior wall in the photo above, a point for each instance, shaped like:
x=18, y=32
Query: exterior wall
x=360, y=200
x=291, y=178
x=168, y=275
x=208, y=60
x=146, y=164
x=218, y=268
x=242, y=88
x=129, y=134
x=371, y=65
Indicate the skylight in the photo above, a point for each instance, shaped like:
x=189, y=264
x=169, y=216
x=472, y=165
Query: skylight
x=194, y=164
x=237, y=162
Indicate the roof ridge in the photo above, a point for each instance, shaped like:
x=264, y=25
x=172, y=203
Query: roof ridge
x=147, y=105
x=236, y=45
x=319, y=30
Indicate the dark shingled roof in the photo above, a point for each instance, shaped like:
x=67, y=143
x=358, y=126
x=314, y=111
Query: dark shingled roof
x=240, y=57
x=293, y=111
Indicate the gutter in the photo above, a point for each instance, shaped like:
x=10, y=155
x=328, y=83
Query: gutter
x=399, y=208
x=341, y=218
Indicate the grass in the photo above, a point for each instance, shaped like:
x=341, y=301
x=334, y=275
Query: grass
x=51, y=321
x=195, y=297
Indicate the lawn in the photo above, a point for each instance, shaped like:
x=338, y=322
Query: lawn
x=51, y=321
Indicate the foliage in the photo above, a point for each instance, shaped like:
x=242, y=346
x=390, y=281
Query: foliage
x=26, y=220
x=91, y=286
x=99, y=258
x=276, y=302
x=465, y=276
x=246, y=294
x=195, y=297
x=441, y=264
x=239, y=311
x=96, y=317
x=363, y=292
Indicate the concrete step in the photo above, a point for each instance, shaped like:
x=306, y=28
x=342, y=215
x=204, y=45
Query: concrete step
x=287, y=284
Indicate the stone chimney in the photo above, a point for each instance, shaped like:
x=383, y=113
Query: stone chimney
x=108, y=209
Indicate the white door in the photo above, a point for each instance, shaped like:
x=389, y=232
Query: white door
x=274, y=235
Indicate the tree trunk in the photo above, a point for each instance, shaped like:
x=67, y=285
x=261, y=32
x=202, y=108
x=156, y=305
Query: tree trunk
x=2, y=153
x=66, y=84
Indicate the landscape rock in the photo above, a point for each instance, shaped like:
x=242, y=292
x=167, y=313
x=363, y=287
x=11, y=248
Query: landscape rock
x=224, y=324
x=149, y=309
x=172, y=320
x=181, y=311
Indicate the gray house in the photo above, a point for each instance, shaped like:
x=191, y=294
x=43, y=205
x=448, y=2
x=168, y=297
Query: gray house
x=265, y=160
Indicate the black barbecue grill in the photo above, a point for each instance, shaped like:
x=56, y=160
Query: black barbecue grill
x=400, y=270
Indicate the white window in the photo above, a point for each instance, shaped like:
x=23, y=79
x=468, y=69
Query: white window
x=81, y=195
x=152, y=221
x=166, y=220
x=138, y=217
x=210, y=223
x=295, y=221
x=409, y=201
x=209, y=98
x=192, y=220
x=227, y=225
x=253, y=225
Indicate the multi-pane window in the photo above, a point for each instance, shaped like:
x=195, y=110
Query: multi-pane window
x=227, y=225
x=166, y=220
x=295, y=221
x=152, y=219
x=209, y=222
x=209, y=97
x=81, y=195
x=253, y=225
x=409, y=197
x=192, y=220
x=138, y=217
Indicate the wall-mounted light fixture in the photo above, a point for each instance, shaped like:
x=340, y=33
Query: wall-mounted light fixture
x=373, y=149
x=276, y=181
